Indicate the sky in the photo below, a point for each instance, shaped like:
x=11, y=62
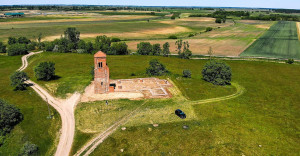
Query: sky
x=287, y=4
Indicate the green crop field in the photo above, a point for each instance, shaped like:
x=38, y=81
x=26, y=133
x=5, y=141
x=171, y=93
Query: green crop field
x=280, y=41
x=35, y=127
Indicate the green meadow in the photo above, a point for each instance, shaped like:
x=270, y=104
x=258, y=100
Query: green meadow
x=35, y=127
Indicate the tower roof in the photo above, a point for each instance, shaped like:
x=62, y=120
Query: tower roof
x=100, y=54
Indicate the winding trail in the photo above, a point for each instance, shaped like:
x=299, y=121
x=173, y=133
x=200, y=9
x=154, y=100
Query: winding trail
x=64, y=107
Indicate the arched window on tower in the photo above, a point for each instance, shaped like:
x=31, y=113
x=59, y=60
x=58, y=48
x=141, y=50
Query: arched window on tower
x=99, y=64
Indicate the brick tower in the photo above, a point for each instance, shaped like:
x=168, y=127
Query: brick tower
x=101, y=70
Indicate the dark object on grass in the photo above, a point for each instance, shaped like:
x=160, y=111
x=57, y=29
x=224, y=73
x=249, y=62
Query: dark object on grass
x=180, y=113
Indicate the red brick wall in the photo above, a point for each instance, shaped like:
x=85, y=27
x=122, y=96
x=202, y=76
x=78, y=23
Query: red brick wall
x=101, y=78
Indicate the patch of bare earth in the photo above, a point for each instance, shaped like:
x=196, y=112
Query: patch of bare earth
x=142, y=33
x=228, y=47
x=298, y=28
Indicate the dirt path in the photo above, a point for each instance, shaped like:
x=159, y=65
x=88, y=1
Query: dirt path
x=298, y=28
x=64, y=107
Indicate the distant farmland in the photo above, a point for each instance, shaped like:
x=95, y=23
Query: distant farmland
x=280, y=41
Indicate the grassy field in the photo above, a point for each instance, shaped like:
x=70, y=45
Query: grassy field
x=280, y=41
x=228, y=40
x=263, y=121
x=35, y=127
x=74, y=73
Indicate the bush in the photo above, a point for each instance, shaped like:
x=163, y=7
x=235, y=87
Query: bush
x=218, y=20
x=17, y=49
x=156, y=50
x=173, y=17
x=2, y=48
x=31, y=46
x=119, y=48
x=144, y=48
x=218, y=73
x=81, y=44
x=172, y=37
x=45, y=71
x=102, y=43
x=12, y=40
x=115, y=39
x=23, y=40
x=17, y=80
x=62, y=45
x=290, y=61
x=28, y=149
x=9, y=117
x=49, y=46
x=208, y=29
x=89, y=47
x=191, y=35
x=186, y=73
x=156, y=68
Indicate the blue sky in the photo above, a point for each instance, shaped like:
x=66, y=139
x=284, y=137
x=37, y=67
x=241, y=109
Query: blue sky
x=289, y=4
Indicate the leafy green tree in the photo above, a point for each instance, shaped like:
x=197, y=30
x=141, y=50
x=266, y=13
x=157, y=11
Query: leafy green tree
x=62, y=44
x=89, y=47
x=115, y=39
x=218, y=20
x=23, y=40
x=72, y=35
x=17, y=49
x=119, y=48
x=102, y=43
x=81, y=44
x=187, y=73
x=48, y=46
x=218, y=73
x=144, y=48
x=186, y=53
x=156, y=50
x=208, y=29
x=290, y=61
x=156, y=68
x=28, y=149
x=9, y=117
x=178, y=44
x=32, y=46
x=12, y=40
x=2, y=48
x=17, y=80
x=172, y=37
x=166, y=49
x=45, y=71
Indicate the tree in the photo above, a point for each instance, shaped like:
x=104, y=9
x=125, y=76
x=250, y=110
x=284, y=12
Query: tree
x=72, y=35
x=290, y=61
x=208, y=29
x=186, y=53
x=12, y=40
x=119, y=48
x=186, y=73
x=23, y=40
x=28, y=149
x=48, y=46
x=9, y=117
x=62, y=45
x=178, y=44
x=156, y=68
x=89, y=47
x=17, y=80
x=156, y=50
x=218, y=20
x=172, y=37
x=210, y=53
x=218, y=73
x=166, y=49
x=2, y=48
x=17, y=49
x=144, y=48
x=115, y=39
x=102, y=43
x=45, y=71
x=81, y=44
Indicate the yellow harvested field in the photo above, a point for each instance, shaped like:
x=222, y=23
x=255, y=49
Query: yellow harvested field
x=143, y=33
x=98, y=18
x=298, y=28
x=228, y=47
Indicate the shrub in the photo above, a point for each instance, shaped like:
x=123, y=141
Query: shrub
x=17, y=80
x=119, y=48
x=45, y=71
x=218, y=20
x=208, y=29
x=172, y=37
x=2, y=48
x=218, y=73
x=156, y=68
x=144, y=48
x=17, y=49
x=115, y=39
x=62, y=45
x=102, y=43
x=156, y=50
x=81, y=44
x=89, y=47
x=10, y=116
x=132, y=74
x=49, y=46
x=28, y=149
x=186, y=73
x=173, y=17
x=191, y=35
x=31, y=46
x=23, y=40
x=290, y=61
x=12, y=40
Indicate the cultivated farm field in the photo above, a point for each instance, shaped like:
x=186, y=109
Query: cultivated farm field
x=280, y=41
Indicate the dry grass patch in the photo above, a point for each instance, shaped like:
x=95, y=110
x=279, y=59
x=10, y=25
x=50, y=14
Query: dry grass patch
x=298, y=29
x=228, y=47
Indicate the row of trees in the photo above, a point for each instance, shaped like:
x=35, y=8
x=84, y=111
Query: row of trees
x=145, y=48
